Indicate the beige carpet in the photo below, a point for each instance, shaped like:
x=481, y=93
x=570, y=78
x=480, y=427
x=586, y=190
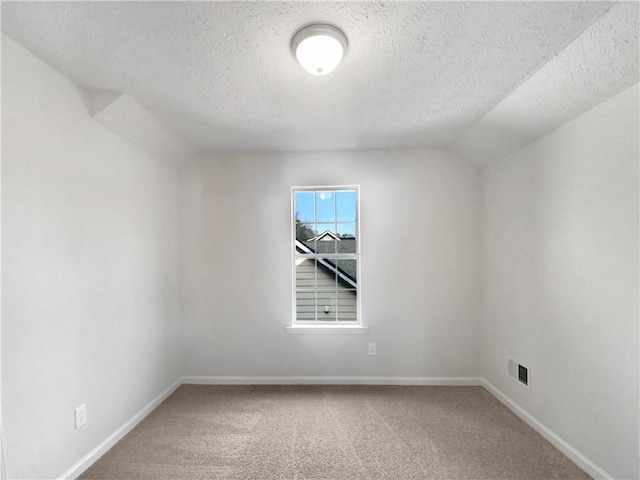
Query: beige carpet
x=332, y=432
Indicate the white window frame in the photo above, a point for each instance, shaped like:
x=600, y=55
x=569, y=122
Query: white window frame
x=318, y=326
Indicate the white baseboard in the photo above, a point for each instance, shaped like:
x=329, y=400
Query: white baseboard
x=91, y=457
x=578, y=458
x=453, y=381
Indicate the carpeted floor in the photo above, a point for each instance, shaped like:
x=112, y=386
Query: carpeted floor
x=333, y=432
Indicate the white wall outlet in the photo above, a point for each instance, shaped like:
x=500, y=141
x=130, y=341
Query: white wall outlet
x=81, y=416
x=372, y=348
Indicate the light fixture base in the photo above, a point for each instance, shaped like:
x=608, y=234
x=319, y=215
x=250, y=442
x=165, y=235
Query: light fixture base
x=319, y=48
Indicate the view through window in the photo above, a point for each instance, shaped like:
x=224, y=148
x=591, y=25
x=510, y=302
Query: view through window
x=326, y=255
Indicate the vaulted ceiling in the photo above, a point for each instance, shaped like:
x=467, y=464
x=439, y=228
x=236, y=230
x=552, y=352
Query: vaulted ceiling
x=478, y=76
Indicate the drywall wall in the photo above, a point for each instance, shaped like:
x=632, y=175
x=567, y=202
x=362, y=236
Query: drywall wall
x=561, y=280
x=419, y=274
x=89, y=295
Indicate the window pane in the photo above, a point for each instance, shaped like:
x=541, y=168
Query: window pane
x=305, y=232
x=326, y=274
x=326, y=306
x=347, y=236
x=347, y=305
x=326, y=238
x=306, y=274
x=303, y=205
x=325, y=206
x=326, y=224
x=347, y=273
x=305, y=305
x=346, y=230
x=346, y=206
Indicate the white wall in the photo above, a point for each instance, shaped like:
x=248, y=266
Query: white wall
x=89, y=299
x=419, y=278
x=561, y=280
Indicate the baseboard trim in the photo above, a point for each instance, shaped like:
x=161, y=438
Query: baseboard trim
x=578, y=458
x=91, y=457
x=226, y=380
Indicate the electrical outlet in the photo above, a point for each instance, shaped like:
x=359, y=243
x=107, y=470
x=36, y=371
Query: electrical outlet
x=372, y=349
x=81, y=416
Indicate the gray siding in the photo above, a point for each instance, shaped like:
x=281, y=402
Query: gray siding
x=317, y=290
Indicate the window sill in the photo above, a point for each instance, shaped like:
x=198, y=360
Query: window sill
x=327, y=330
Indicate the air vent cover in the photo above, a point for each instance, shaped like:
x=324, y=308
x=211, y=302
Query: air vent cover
x=519, y=373
x=523, y=374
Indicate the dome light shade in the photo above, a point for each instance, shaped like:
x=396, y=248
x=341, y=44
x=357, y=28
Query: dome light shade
x=319, y=48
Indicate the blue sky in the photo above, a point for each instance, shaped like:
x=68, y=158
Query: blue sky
x=321, y=209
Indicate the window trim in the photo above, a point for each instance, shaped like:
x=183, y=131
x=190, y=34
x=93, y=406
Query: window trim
x=327, y=329
x=335, y=326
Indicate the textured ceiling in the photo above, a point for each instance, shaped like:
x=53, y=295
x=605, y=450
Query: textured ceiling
x=601, y=62
x=221, y=74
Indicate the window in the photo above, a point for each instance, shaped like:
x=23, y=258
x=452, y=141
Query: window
x=326, y=254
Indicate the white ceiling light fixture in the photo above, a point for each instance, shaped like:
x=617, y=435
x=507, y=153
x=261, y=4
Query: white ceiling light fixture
x=319, y=48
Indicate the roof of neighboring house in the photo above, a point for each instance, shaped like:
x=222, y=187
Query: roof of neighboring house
x=323, y=236
x=347, y=271
x=344, y=245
